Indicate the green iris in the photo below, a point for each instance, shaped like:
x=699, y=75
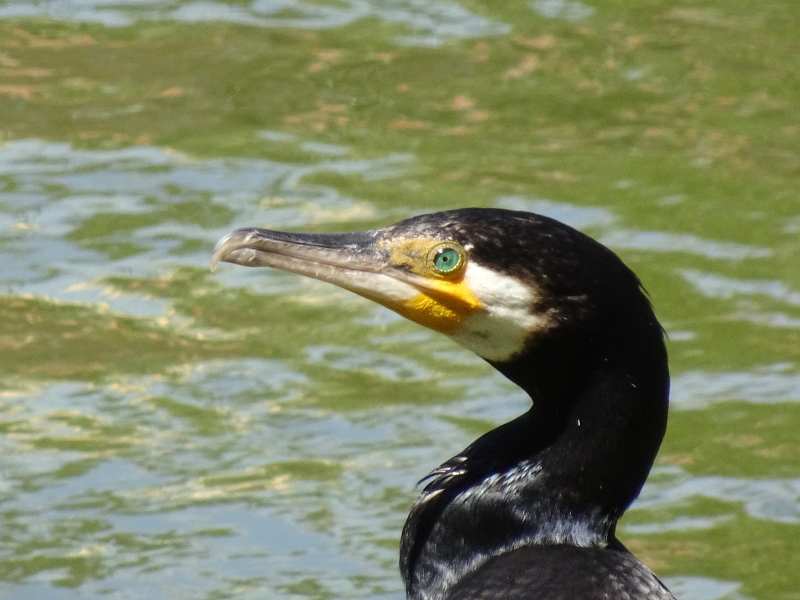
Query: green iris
x=447, y=260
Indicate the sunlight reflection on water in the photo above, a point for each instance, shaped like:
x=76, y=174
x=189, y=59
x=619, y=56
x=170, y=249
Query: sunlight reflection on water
x=206, y=473
x=432, y=21
x=46, y=223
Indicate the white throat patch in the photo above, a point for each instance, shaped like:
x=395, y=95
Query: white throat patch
x=501, y=329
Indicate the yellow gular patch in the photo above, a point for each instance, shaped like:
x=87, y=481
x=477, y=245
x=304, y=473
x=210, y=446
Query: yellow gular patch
x=444, y=300
x=442, y=306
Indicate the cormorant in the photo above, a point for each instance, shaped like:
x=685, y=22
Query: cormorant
x=529, y=510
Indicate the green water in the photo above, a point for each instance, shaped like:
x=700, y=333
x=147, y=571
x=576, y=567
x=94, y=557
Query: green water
x=169, y=433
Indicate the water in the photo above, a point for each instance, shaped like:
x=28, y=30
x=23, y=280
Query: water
x=167, y=432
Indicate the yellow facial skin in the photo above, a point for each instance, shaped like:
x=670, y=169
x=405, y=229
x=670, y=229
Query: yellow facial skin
x=424, y=280
x=444, y=300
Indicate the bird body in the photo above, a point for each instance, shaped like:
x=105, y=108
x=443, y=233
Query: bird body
x=561, y=572
x=529, y=510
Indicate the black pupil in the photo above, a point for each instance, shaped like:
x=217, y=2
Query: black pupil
x=446, y=260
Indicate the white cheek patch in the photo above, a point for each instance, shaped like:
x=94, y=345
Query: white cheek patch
x=501, y=329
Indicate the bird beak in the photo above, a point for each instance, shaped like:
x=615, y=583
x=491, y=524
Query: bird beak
x=358, y=262
x=351, y=260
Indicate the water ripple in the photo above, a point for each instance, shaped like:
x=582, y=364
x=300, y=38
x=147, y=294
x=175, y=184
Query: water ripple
x=771, y=499
x=432, y=21
x=662, y=241
x=698, y=389
x=393, y=368
x=75, y=215
x=713, y=285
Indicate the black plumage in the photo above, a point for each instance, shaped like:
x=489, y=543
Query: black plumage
x=529, y=510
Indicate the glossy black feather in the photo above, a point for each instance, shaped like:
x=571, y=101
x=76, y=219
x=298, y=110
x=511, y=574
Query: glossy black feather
x=529, y=510
x=561, y=573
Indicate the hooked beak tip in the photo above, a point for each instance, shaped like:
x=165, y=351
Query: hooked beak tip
x=217, y=256
x=223, y=248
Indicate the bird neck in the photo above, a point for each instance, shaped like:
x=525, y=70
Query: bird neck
x=562, y=473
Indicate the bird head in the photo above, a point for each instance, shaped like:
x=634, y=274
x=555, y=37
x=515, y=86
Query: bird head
x=495, y=281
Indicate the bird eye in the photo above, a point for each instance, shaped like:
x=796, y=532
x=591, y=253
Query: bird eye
x=446, y=259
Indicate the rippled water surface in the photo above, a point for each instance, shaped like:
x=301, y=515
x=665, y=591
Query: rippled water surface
x=169, y=433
